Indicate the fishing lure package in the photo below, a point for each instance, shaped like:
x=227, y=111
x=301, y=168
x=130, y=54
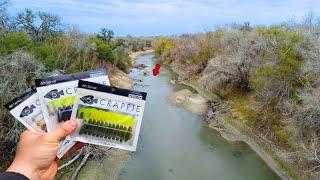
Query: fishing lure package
x=27, y=109
x=57, y=95
x=108, y=116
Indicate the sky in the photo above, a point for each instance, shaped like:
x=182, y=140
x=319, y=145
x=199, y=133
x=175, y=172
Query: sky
x=167, y=17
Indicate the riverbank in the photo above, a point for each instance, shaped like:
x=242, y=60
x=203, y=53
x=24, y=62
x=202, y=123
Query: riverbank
x=233, y=130
x=134, y=55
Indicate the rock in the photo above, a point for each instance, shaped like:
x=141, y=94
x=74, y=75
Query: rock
x=180, y=97
x=118, y=78
x=194, y=103
x=237, y=154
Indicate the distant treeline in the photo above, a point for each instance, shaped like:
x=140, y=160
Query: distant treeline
x=270, y=76
x=33, y=43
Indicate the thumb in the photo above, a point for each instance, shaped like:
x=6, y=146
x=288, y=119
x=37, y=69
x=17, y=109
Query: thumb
x=63, y=130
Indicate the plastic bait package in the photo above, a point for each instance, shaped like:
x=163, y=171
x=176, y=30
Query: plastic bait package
x=108, y=116
x=57, y=94
x=27, y=109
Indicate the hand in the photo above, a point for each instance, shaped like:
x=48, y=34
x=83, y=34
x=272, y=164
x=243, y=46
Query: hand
x=36, y=153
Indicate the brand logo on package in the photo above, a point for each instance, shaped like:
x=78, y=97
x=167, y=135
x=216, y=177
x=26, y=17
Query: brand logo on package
x=54, y=94
x=89, y=99
x=135, y=96
x=27, y=110
x=96, y=74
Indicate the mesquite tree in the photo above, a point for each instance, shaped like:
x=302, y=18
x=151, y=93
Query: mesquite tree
x=39, y=25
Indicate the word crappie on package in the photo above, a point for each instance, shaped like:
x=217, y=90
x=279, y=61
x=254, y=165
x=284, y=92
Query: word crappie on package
x=108, y=116
x=57, y=94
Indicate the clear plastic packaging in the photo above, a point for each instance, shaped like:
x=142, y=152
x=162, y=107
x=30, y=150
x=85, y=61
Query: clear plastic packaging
x=57, y=94
x=27, y=109
x=108, y=116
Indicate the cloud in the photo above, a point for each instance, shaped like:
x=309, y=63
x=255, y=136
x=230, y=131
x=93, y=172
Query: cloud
x=150, y=17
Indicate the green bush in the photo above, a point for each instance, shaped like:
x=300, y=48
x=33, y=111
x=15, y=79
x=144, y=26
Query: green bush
x=104, y=50
x=161, y=45
x=276, y=79
x=15, y=41
x=44, y=54
x=122, y=59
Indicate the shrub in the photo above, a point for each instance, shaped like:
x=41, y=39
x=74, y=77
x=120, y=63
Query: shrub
x=161, y=45
x=233, y=71
x=14, y=41
x=17, y=72
x=121, y=59
x=276, y=79
x=44, y=53
x=308, y=114
x=103, y=50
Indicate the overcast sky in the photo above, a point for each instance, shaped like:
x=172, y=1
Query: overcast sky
x=164, y=17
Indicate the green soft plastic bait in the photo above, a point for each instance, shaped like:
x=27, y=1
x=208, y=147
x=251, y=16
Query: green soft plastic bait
x=64, y=106
x=65, y=101
x=106, y=124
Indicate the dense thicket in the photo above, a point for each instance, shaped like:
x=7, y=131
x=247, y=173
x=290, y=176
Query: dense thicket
x=269, y=76
x=35, y=43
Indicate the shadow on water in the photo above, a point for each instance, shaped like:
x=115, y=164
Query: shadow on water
x=175, y=144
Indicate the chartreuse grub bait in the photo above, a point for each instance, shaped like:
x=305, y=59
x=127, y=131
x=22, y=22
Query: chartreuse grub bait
x=106, y=124
x=108, y=116
x=64, y=106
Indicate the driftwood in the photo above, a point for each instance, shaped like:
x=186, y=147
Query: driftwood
x=71, y=161
x=83, y=162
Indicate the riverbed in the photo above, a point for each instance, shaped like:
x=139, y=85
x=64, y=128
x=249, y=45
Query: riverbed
x=176, y=144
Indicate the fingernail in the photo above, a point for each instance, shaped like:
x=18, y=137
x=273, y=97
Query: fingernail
x=72, y=124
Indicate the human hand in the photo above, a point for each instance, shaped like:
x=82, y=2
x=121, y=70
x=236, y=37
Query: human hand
x=36, y=153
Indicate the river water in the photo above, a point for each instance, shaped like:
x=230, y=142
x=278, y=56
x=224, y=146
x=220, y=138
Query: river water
x=175, y=144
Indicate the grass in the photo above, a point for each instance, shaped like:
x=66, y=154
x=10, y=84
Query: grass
x=264, y=144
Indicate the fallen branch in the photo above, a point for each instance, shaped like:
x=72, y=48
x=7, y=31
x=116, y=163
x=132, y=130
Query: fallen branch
x=71, y=161
x=83, y=162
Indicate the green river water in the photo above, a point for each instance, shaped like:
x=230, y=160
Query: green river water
x=175, y=144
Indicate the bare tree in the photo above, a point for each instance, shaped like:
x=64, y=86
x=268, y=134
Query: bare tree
x=39, y=24
x=233, y=70
x=106, y=34
x=3, y=15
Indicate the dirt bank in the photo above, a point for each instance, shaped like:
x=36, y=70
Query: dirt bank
x=134, y=55
x=118, y=78
x=232, y=130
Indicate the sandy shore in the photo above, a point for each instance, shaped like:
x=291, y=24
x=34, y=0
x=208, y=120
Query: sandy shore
x=194, y=103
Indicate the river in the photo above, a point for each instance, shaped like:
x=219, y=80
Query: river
x=175, y=144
